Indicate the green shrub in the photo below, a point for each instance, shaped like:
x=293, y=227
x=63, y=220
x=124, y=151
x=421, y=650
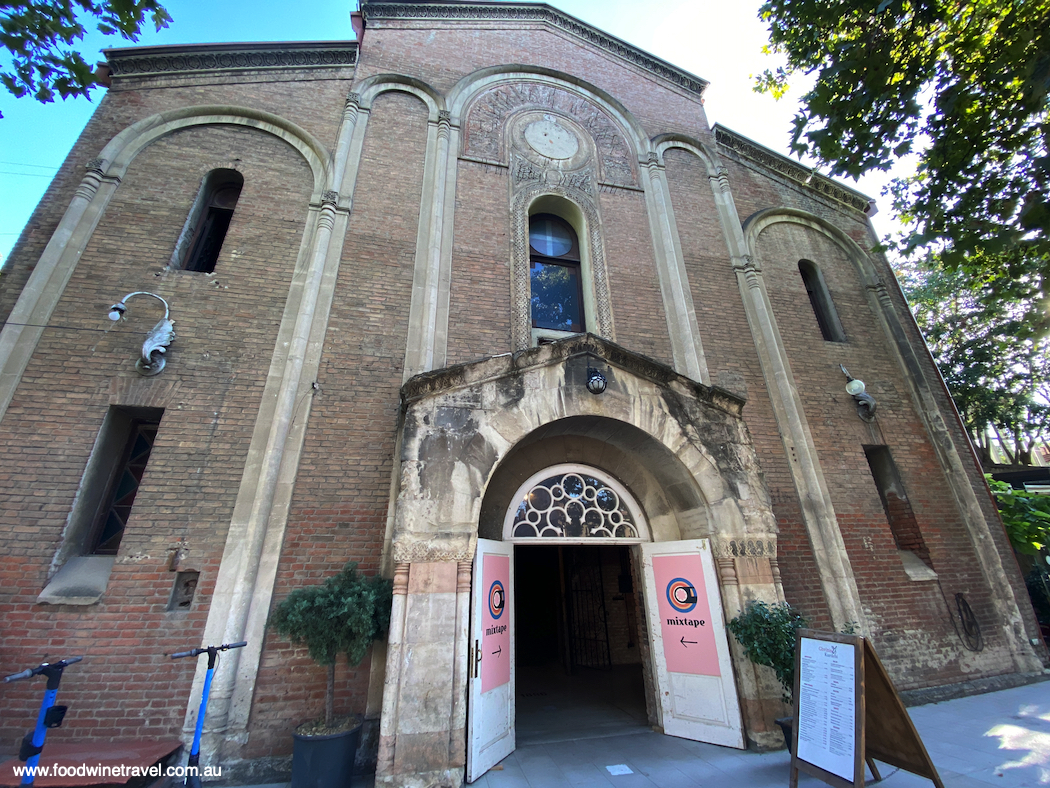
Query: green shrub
x=767, y=633
x=1025, y=515
x=342, y=615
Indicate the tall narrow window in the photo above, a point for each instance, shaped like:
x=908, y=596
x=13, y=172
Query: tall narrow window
x=556, y=291
x=206, y=227
x=124, y=486
x=820, y=300
x=895, y=503
x=102, y=506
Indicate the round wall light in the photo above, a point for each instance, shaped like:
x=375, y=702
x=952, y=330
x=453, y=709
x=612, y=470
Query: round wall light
x=596, y=382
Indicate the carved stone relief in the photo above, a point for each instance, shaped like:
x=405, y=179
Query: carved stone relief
x=488, y=116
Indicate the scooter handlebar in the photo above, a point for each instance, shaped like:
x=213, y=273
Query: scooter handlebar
x=30, y=672
x=197, y=651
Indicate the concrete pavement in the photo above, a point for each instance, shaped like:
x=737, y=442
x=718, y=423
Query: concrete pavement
x=1000, y=738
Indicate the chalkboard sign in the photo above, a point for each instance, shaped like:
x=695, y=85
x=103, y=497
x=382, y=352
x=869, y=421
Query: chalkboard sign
x=847, y=713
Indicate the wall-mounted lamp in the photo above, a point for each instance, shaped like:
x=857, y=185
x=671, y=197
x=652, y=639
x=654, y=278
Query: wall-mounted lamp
x=596, y=382
x=866, y=404
x=162, y=335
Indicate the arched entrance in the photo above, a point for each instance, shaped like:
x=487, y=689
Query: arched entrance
x=476, y=440
x=578, y=653
x=584, y=603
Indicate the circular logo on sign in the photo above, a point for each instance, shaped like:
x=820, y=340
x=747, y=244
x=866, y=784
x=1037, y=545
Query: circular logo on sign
x=497, y=599
x=681, y=594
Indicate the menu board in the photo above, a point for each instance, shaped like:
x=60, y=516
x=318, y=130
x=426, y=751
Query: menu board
x=827, y=712
x=848, y=713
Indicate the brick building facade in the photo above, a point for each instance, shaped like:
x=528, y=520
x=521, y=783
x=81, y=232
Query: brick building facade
x=374, y=368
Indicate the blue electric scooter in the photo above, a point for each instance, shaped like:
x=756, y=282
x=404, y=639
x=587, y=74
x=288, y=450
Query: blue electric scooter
x=50, y=715
x=193, y=779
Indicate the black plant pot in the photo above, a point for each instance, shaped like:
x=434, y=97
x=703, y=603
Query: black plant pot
x=787, y=728
x=324, y=761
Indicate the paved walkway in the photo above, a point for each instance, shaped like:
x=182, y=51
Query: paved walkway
x=1001, y=739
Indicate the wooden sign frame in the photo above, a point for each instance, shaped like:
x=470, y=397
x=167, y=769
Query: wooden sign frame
x=882, y=728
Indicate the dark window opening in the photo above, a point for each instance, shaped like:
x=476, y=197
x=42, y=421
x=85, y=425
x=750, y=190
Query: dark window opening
x=899, y=514
x=820, y=300
x=124, y=484
x=211, y=219
x=556, y=287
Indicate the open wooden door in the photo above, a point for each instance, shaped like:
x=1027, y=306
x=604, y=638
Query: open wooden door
x=695, y=687
x=490, y=694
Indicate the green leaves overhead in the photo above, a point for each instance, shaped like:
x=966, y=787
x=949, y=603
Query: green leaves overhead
x=39, y=35
x=988, y=335
x=962, y=84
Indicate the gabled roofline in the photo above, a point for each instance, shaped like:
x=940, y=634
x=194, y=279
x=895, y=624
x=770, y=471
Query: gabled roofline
x=467, y=11
x=788, y=168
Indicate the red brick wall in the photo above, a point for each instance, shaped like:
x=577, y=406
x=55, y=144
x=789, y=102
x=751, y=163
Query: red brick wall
x=480, y=301
x=634, y=285
x=342, y=491
x=226, y=323
x=733, y=362
x=441, y=54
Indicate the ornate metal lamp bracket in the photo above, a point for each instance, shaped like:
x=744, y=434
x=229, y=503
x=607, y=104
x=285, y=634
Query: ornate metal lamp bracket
x=866, y=404
x=157, y=341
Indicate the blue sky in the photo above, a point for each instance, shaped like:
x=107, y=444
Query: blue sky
x=718, y=41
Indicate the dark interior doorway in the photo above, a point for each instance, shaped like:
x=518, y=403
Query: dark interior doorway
x=577, y=658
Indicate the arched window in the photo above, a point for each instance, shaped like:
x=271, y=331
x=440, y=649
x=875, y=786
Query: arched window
x=574, y=503
x=201, y=240
x=556, y=290
x=820, y=300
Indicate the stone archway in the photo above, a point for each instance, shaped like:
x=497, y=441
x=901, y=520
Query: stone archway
x=472, y=434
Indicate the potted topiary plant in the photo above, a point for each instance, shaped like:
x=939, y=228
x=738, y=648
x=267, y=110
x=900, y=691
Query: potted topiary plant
x=767, y=633
x=342, y=615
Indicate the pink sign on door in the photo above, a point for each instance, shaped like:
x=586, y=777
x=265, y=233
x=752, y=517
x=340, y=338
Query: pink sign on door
x=495, y=621
x=685, y=617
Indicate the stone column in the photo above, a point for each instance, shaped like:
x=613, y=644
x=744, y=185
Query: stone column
x=422, y=740
x=245, y=582
x=818, y=514
x=744, y=566
x=40, y=296
x=686, y=348
x=432, y=282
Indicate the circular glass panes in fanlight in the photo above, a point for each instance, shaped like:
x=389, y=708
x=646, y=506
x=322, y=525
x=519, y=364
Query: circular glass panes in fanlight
x=549, y=237
x=573, y=505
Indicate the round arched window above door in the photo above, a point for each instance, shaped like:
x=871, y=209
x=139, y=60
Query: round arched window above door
x=574, y=503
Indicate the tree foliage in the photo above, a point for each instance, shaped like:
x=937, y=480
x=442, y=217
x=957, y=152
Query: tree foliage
x=988, y=337
x=39, y=36
x=961, y=83
x=1025, y=515
x=342, y=615
x=767, y=633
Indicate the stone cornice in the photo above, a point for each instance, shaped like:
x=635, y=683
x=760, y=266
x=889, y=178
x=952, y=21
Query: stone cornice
x=535, y=12
x=792, y=170
x=198, y=58
x=473, y=373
